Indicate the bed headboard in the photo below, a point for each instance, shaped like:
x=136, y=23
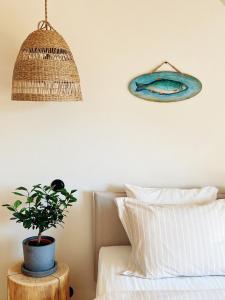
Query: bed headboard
x=107, y=228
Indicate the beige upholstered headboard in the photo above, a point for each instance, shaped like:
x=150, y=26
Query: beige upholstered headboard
x=107, y=228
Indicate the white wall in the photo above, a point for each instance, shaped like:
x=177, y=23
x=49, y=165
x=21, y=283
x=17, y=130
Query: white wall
x=111, y=137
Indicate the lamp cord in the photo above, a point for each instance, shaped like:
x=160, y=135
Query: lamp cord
x=46, y=11
x=44, y=24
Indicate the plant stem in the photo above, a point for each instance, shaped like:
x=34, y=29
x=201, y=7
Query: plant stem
x=39, y=237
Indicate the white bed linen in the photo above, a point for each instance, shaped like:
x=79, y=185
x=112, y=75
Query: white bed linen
x=175, y=240
x=165, y=295
x=113, y=260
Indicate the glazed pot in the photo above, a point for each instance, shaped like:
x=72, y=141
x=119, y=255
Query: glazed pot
x=39, y=258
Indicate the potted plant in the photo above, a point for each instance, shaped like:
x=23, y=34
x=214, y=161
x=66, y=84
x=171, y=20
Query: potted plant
x=41, y=208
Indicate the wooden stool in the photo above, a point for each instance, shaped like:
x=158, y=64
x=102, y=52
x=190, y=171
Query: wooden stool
x=53, y=287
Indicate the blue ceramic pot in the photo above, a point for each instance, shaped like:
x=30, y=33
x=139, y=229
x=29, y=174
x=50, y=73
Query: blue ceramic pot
x=39, y=258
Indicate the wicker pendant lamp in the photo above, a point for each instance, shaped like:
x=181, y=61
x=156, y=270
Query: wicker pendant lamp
x=45, y=69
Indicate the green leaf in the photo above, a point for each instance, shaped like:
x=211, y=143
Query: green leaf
x=6, y=205
x=37, y=186
x=11, y=208
x=18, y=216
x=27, y=224
x=73, y=191
x=18, y=194
x=17, y=204
x=21, y=188
x=64, y=192
x=30, y=199
x=71, y=200
x=33, y=195
x=47, y=188
x=40, y=193
x=38, y=200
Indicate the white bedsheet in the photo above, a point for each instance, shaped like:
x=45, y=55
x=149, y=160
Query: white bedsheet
x=165, y=295
x=113, y=260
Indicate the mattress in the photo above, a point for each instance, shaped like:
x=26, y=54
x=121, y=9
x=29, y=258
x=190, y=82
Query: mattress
x=113, y=260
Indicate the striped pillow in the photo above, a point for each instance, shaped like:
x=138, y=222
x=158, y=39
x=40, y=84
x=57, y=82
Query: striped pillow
x=172, y=240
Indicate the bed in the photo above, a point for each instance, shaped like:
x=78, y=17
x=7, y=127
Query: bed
x=112, y=249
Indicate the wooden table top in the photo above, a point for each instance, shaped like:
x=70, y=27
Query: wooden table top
x=15, y=274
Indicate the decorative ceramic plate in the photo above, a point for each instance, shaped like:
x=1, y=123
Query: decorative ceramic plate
x=165, y=86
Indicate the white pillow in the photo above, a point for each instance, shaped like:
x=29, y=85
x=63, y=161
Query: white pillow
x=176, y=240
x=172, y=195
x=164, y=196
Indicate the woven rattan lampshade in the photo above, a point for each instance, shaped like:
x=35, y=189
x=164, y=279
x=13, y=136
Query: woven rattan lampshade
x=45, y=69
